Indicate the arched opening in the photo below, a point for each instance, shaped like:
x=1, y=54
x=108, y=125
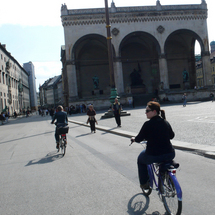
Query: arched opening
x=181, y=61
x=139, y=53
x=91, y=60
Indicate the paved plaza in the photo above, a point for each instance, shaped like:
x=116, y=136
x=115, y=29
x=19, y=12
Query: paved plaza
x=194, y=125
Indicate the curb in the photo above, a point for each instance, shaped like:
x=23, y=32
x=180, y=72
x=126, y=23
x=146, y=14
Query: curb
x=206, y=151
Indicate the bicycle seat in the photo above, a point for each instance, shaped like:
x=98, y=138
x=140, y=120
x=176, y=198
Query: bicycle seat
x=168, y=165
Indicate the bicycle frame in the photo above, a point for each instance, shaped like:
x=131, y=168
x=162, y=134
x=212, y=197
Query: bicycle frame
x=152, y=171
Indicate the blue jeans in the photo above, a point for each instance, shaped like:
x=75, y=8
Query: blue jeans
x=144, y=159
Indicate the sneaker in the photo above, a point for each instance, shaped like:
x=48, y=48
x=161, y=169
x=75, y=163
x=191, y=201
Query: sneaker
x=145, y=186
x=57, y=146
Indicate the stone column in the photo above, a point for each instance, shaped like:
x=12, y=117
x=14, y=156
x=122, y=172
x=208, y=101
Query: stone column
x=118, y=76
x=72, y=82
x=163, y=71
x=206, y=68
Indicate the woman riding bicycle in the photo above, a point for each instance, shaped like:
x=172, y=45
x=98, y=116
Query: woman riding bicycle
x=157, y=132
x=61, y=118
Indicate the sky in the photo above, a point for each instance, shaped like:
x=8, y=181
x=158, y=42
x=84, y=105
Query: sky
x=32, y=30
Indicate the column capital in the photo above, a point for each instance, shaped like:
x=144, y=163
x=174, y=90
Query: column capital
x=70, y=62
x=205, y=53
x=117, y=59
x=162, y=55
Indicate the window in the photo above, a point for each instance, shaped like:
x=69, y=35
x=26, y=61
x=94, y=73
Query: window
x=3, y=78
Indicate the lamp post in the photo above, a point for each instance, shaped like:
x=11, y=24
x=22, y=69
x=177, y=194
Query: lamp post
x=113, y=94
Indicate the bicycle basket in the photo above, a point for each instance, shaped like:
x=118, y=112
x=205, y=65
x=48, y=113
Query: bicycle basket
x=63, y=130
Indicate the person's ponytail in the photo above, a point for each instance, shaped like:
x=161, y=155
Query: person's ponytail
x=163, y=114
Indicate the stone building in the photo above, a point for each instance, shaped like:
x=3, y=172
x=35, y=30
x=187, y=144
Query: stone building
x=14, y=85
x=153, y=48
x=199, y=68
x=51, y=93
x=29, y=67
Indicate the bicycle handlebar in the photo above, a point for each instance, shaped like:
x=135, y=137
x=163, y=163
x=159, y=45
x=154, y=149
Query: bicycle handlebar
x=130, y=143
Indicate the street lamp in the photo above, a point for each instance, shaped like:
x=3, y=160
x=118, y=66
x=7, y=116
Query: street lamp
x=113, y=94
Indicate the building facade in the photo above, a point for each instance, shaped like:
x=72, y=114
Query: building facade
x=51, y=93
x=200, y=70
x=14, y=85
x=29, y=67
x=153, y=48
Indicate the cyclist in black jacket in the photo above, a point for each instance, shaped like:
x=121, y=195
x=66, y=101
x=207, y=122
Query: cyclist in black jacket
x=61, y=118
x=157, y=132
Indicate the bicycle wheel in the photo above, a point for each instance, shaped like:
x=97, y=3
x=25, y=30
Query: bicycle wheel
x=170, y=200
x=64, y=147
x=60, y=142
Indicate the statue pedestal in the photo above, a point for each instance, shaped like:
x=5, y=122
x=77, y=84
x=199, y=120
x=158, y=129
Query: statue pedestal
x=138, y=89
x=96, y=92
x=110, y=114
x=186, y=85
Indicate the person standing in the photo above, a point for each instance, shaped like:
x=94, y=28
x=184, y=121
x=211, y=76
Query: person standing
x=91, y=118
x=184, y=98
x=117, y=107
x=157, y=132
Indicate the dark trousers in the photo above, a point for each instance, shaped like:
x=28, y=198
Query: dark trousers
x=117, y=118
x=92, y=125
x=56, y=135
x=144, y=159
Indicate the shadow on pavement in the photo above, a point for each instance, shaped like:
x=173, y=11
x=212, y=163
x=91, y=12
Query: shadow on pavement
x=84, y=134
x=111, y=129
x=35, y=135
x=138, y=205
x=50, y=157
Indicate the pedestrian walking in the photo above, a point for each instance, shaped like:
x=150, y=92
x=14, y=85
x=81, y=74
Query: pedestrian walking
x=6, y=116
x=91, y=118
x=2, y=118
x=184, y=98
x=212, y=96
x=117, y=107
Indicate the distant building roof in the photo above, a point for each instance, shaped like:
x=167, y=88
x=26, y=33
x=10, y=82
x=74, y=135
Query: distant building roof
x=54, y=80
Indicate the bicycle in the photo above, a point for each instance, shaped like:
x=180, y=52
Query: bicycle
x=62, y=130
x=163, y=177
x=62, y=144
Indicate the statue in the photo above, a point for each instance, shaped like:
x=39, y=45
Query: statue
x=136, y=78
x=96, y=82
x=185, y=76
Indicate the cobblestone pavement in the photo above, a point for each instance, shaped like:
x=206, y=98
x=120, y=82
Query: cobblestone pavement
x=194, y=123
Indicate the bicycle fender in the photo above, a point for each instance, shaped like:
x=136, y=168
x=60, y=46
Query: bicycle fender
x=177, y=186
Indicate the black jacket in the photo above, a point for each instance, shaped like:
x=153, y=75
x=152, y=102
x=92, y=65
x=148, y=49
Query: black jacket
x=61, y=117
x=158, y=133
